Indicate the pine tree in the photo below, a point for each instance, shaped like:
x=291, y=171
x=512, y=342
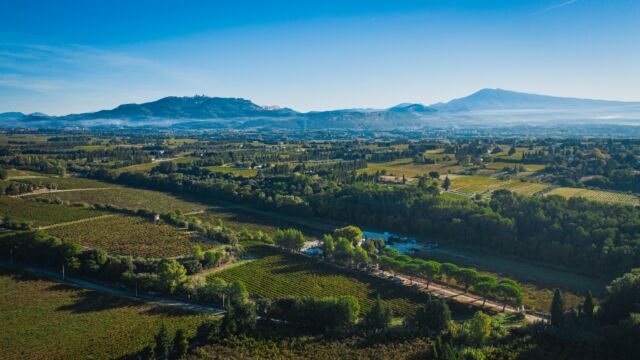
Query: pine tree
x=587, y=306
x=557, y=309
x=163, y=344
x=180, y=345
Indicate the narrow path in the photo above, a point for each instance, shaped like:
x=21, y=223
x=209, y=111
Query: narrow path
x=112, y=291
x=50, y=191
x=75, y=221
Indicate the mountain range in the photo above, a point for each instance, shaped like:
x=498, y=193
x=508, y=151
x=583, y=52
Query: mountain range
x=485, y=108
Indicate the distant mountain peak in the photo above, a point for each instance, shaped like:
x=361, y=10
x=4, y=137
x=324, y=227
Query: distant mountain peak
x=11, y=115
x=186, y=107
x=501, y=99
x=412, y=107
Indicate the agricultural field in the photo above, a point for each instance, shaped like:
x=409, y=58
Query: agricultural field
x=41, y=214
x=233, y=170
x=280, y=275
x=408, y=168
x=56, y=321
x=173, y=143
x=16, y=173
x=148, y=166
x=90, y=147
x=525, y=188
x=505, y=153
x=316, y=347
x=67, y=183
x=129, y=235
x=501, y=165
x=597, y=195
x=27, y=138
x=129, y=198
x=470, y=185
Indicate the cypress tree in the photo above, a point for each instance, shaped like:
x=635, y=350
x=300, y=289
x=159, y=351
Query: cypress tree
x=163, y=344
x=446, y=183
x=557, y=309
x=587, y=307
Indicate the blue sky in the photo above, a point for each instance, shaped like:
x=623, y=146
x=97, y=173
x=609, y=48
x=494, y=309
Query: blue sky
x=64, y=56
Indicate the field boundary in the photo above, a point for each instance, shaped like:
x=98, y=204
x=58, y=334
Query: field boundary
x=75, y=221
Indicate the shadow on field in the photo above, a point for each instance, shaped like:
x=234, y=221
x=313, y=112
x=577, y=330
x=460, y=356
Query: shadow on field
x=242, y=216
x=87, y=301
x=168, y=311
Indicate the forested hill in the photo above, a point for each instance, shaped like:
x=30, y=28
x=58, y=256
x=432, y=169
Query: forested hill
x=196, y=107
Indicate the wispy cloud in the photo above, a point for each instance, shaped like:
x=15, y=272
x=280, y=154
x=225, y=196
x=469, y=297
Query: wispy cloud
x=26, y=83
x=78, y=78
x=555, y=7
x=78, y=64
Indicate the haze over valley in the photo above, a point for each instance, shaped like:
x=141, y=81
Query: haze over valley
x=485, y=108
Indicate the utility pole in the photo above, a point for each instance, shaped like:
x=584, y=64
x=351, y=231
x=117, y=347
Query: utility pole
x=136, y=287
x=62, y=272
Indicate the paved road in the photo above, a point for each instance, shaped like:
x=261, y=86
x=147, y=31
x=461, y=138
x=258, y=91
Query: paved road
x=112, y=291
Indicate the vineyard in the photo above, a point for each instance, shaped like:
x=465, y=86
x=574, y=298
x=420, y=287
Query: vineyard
x=128, y=198
x=470, y=185
x=41, y=214
x=148, y=166
x=126, y=235
x=56, y=321
x=408, y=168
x=526, y=188
x=596, y=195
x=282, y=275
